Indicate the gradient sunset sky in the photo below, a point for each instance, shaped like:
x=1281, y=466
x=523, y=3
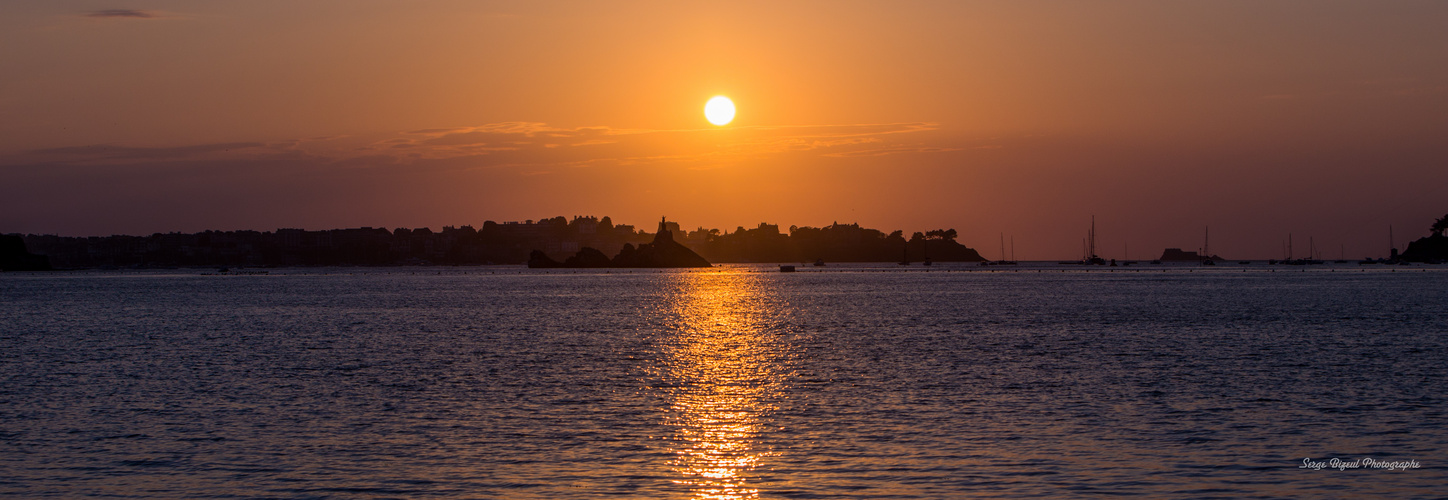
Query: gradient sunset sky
x=1323, y=119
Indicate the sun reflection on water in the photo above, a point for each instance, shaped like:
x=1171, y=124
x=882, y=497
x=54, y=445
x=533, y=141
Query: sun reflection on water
x=722, y=374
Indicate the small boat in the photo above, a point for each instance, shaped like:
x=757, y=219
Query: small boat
x=786, y=269
x=819, y=263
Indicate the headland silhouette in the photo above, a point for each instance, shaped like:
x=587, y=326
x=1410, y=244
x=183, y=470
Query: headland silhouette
x=1432, y=248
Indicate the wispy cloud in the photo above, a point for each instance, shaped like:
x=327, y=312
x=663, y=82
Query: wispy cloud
x=123, y=14
x=537, y=146
x=891, y=151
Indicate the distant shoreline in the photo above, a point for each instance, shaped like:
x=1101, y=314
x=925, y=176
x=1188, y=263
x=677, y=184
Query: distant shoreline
x=493, y=243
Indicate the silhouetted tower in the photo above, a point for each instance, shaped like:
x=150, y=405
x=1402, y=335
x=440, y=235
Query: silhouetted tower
x=664, y=232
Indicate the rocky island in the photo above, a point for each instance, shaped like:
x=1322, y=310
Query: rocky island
x=662, y=252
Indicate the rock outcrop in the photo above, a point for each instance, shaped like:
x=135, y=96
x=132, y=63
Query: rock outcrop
x=14, y=256
x=662, y=252
x=539, y=260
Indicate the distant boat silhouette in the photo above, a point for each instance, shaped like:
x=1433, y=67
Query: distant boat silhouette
x=819, y=263
x=786, y=269
x=1207, y=247
x=1088, y=250
x=1003, y=261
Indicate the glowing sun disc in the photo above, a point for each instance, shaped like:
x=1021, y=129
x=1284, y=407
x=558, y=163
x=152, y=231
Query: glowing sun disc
x=719, y=110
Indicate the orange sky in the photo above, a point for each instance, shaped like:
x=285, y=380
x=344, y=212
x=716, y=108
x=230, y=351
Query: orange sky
x=1323, y=119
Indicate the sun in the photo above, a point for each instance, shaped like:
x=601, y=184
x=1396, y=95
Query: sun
x=719, y=110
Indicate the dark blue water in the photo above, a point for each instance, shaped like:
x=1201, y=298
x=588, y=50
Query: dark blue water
x=729, y=383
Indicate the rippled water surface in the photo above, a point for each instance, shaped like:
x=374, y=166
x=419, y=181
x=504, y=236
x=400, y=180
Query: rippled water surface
x=849, y=382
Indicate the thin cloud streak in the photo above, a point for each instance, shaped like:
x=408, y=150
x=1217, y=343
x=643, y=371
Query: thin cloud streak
x=123, y=14
x=538, y=144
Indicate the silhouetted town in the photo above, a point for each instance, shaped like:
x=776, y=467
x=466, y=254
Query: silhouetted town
x=495, y=243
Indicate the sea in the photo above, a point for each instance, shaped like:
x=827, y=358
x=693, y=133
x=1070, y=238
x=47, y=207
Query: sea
x=740, y=381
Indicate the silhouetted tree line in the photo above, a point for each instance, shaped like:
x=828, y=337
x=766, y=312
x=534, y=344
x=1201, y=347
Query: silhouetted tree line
x=494, y=243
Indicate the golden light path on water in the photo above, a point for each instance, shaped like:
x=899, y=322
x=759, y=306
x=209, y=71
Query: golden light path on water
x=724, y=370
